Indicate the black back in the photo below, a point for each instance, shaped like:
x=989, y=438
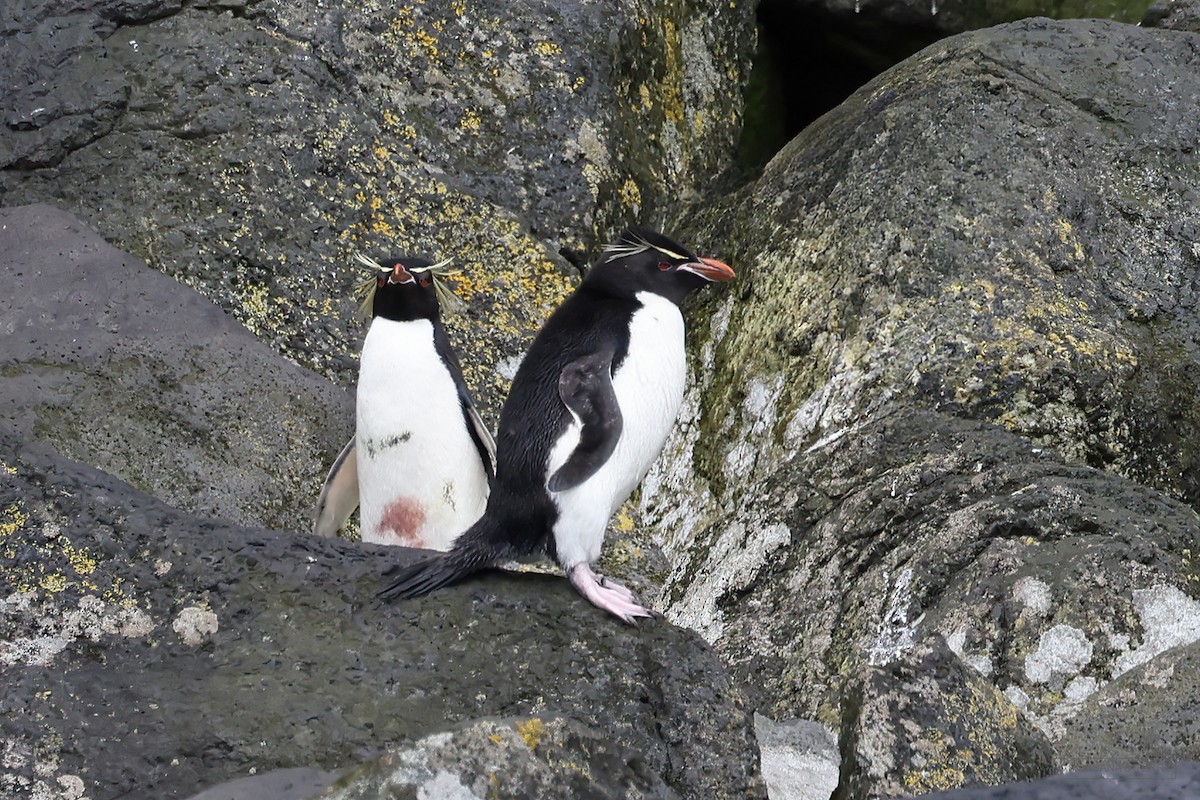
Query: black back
x=595, y=318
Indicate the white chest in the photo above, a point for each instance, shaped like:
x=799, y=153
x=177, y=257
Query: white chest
x=649, y=386
x=421, y=480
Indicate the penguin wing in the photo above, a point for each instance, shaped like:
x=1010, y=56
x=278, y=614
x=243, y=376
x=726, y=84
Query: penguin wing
x=482, y=437
x=585, y=386
x=339, y=495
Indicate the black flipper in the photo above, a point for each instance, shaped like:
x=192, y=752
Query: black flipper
x=480, y=435
x=474, y=550
x=585, y=386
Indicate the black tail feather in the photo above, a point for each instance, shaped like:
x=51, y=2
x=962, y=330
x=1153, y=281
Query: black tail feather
x=472, y=552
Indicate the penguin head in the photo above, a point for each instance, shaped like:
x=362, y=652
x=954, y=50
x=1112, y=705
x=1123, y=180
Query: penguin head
x=644, y=261
x=405, y=288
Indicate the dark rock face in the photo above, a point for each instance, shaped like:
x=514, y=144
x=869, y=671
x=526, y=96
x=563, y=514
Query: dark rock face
x=149, y=652
x=927, y=720
x=248, y=147
x=1149, y=715
x=126, y=369
x=955, y=394
x=1177, y=15
x=956, y=16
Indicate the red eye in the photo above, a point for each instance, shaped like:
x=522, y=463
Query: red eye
x=382, y=281
x=425, y=281
x=664, y=266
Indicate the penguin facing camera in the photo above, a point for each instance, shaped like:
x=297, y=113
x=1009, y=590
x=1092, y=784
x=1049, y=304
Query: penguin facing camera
x=589, y=410
x=421, y=459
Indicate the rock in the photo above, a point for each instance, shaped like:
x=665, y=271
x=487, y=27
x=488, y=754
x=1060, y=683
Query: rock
x=902, y=17
x=299, y=783
x=927, y=721
x=272, y=139
x=800, y=758
x=1170, y=782
x=147, y=651
x=515, y=759
x=1178, y=15
x=123, y=368
x=952, y=397
x=1148, y=715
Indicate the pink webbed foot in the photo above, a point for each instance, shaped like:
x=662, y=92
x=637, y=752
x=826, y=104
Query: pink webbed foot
x=606, y=594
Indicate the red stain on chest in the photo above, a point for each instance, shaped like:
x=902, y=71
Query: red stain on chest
x=404, y=518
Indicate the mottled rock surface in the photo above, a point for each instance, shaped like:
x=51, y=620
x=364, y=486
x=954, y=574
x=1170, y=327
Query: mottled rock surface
x=249, y=147
x=1148, y=715
x=146, y=652
x=954, y=393
x=509, y=760
x=126, y=369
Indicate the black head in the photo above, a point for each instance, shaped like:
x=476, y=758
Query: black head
x=644, y=261
x=405, y=290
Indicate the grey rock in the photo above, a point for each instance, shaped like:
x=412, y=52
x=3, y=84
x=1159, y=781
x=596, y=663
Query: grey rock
x=1169, y=782
x=926, y=721
x=508, y=760
x=1178, y=15
x=800, y=759
x=280, y=784
x=954, y=395
x=250, y=147
x=1149, y=715
x=146, y=652
x=128, y=370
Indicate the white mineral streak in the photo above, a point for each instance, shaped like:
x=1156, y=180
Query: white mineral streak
x=1169, y=618
x=896, y=634
x=1062, y=652
x=733, y=562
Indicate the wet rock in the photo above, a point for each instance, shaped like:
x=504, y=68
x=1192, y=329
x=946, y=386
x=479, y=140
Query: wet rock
x=126, y=369
x=146, y=651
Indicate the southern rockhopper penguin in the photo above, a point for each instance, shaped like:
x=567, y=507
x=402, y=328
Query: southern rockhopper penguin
x=421, y=460
x=590, y=408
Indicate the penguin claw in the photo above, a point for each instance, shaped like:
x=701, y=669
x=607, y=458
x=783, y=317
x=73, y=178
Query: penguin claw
x=606, y=594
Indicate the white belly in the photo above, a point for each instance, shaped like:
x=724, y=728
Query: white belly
x=420, y=478
x=649, y=386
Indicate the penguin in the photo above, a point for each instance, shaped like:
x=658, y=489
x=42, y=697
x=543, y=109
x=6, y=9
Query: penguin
x=589, y=410
x=421, y=460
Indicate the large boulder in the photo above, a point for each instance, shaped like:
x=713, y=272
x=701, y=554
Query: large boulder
x=249, y=147
x=126, y=369
x=147, y=652
x=954, y=396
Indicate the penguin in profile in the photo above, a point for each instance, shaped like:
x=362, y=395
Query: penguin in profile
x=421, y=459
x=589, y=410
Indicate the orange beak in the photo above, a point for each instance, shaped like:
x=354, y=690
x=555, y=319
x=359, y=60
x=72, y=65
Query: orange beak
x=710, y=269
